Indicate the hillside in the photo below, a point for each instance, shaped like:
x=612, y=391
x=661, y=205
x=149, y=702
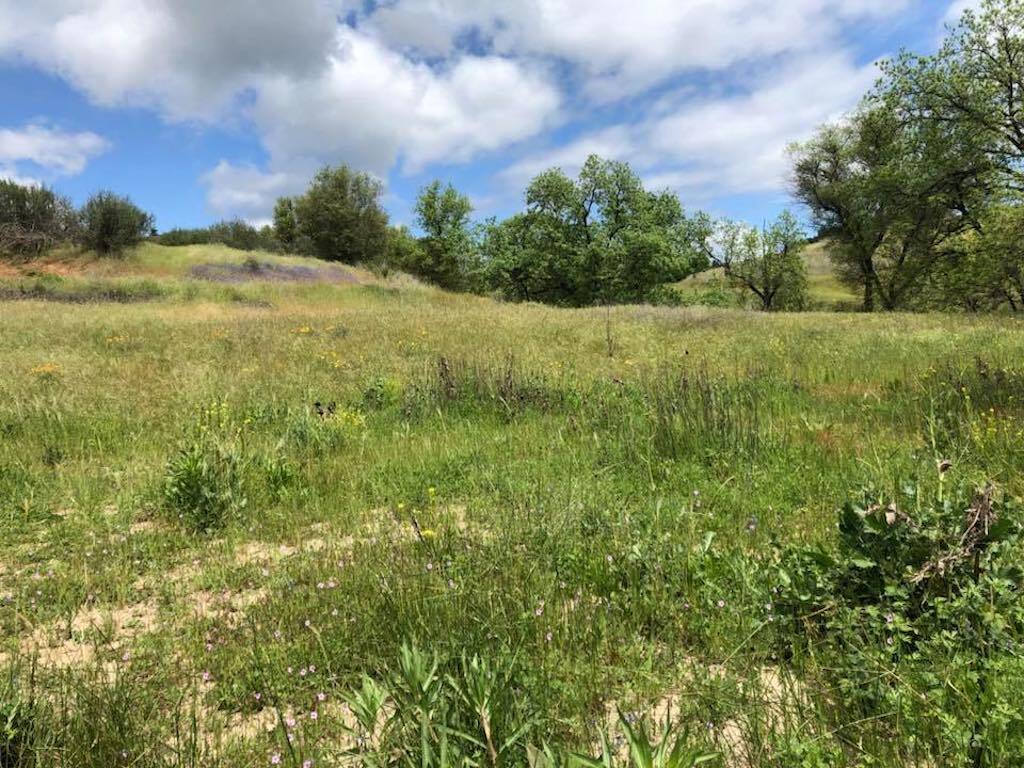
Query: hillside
x=824, y=290
x=232, y=485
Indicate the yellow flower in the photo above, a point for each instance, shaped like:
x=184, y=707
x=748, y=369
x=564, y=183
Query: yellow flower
x=46, y=370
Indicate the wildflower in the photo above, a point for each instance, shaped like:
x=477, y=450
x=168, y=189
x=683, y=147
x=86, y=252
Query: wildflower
x=720, y=603
x=610, y=559
x=430, y=567
x=314, y=715
x=206, y=676
x=275, y=759
x=451, y=583
x=321, y=697
x=549, y=637
x=290, y=722
x=307, y=764
x=257, y=695
x=312, y=669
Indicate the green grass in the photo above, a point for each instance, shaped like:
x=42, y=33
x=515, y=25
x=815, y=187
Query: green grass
x=591, y=503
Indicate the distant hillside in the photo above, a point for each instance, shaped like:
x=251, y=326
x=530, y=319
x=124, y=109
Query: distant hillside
x=825, y=289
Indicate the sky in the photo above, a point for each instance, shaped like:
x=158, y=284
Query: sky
x=201, y=111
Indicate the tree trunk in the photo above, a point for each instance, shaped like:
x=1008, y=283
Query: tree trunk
x=869, y=293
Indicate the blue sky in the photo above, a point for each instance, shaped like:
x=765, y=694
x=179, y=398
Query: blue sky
x=204, y=111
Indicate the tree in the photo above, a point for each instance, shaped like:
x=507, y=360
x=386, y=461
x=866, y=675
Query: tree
x=33, y=219
x=342, y=216
x=767, y=263
x=892, y=193
x=601, y=238
x=447, y=256
x=985, y=272
x=975, y=81
x=111, y=223
x=286, y=226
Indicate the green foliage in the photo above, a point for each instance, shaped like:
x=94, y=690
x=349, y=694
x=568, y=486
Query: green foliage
x=973, y=82
x=203, y=483
x=111, y=224
x=447, y=255
x=286, y=225
x=33, y=219
x=235, y=234
x=768, y=263
x=920, y=603
x=892, y=194
x=599, y=239
x=342, y=218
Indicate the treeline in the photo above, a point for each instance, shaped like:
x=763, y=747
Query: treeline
x=919, y=192
x=600, y=238
x=34, y=219
x=235, y=234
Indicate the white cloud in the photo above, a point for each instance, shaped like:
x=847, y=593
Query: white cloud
x=46, y=149
x=618, y=49
x=734, y=144
x=956, y=10
x=403, y=88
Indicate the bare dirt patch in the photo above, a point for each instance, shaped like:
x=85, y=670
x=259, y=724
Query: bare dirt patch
x=64, y=645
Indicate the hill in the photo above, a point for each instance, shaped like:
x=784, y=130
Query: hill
x=243, y=497
x=825, y=291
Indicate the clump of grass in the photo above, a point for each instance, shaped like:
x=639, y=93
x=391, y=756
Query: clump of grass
x=203, y=483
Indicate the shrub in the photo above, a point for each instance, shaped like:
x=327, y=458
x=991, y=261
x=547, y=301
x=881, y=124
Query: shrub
x=918, y=615
x=33, y=219
x=204, y=485
x=111, y=223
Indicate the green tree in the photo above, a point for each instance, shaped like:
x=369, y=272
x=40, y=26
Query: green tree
x=601, y=238
x=975, y=81
x=448, y=255
x=767, y=263
x=892, y=194
x=286, y=225
x=111, y=223
x=342, y=217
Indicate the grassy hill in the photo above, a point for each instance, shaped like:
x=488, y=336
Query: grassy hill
x=232, y=485
x=825, y=291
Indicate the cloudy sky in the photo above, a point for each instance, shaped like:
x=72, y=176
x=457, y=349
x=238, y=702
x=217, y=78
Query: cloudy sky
x=203, y=110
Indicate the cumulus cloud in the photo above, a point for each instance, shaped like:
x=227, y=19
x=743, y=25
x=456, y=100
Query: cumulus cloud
x=618, y=49
x=408, y=84
x=734, y=144
x=46, y=149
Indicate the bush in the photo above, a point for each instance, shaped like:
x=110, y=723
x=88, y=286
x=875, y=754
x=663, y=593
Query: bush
x=204, y=485
x=33, y=219
x=111, y=223
x=918, y=613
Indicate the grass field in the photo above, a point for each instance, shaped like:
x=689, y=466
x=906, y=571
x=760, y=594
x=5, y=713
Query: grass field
x=569, y=513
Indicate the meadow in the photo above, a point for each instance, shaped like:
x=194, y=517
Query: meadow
x=350, y=519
